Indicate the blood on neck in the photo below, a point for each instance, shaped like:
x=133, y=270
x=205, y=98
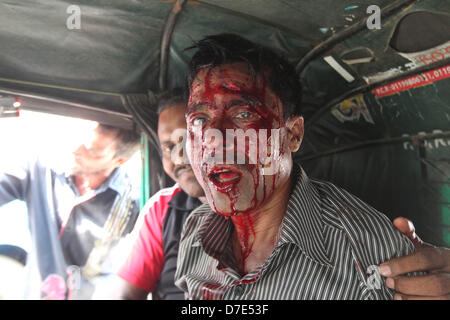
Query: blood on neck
x=246, y=234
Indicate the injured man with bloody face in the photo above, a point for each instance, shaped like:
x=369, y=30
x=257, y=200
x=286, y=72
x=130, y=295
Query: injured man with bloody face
x=268, y=231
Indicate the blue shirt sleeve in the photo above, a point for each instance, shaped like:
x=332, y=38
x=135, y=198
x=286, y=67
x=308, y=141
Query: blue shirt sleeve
x=14, y=182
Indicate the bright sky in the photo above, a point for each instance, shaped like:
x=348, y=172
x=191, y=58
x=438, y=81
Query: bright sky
x=50, y=136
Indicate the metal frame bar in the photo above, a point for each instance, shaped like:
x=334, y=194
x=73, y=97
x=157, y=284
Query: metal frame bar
x=41, y=103
x=165, y=42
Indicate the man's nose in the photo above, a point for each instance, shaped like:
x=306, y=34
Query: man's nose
x=178, y=155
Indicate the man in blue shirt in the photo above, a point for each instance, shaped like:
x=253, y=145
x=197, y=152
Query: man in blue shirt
x=77, y=215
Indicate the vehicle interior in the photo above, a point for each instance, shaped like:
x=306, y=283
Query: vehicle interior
x=375, y=80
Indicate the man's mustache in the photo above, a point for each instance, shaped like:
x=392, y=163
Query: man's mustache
x=179, y=168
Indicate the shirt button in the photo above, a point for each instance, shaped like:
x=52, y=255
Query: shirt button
x=239, y=290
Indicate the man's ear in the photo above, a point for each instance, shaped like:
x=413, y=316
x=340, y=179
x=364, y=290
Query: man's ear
x=296, y=129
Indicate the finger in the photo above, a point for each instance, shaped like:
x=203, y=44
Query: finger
x=398, y=296
x=406, y=227
x=427, y=259
x=434, y=285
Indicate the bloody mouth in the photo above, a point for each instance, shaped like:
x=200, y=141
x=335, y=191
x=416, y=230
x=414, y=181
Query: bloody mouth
x=224, y=178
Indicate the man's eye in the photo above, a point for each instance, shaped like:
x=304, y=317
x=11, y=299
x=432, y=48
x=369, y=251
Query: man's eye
x=198, y=121
x=244, y=115
x=167, y=148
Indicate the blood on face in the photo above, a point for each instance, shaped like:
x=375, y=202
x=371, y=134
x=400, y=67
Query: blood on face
x=231, y=96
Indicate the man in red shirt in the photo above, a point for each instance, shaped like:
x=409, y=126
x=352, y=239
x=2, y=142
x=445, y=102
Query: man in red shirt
x=150, y=267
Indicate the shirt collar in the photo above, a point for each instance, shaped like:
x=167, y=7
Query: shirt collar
x=183, y=202
x=118, y=181
x=303, y=224
x=214, y=236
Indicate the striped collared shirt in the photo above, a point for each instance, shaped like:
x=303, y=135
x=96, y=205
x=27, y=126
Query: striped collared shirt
x=329, y=245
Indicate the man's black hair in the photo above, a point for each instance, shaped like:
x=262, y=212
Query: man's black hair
x=170, y=98
x=227, y=48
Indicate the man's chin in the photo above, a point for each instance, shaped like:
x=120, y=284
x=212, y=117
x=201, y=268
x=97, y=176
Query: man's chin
x=189, y=184
x=228, y=204
x=80, y=171
x=75, y=171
